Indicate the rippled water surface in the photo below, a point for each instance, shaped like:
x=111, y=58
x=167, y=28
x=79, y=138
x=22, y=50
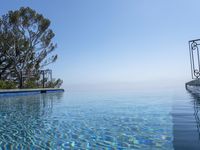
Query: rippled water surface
x=87, y=120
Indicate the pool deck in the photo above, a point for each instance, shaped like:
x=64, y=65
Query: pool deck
x=28, y=91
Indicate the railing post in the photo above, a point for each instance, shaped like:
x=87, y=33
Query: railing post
x=194, y=58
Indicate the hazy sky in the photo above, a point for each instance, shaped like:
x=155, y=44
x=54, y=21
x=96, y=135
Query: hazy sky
x=119, y=41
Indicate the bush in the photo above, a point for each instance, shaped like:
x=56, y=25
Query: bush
x=54, y=83
x=7, y=85
x=35, y=83
x=31, y=83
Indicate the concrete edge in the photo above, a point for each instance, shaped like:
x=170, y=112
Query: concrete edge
x=21, y=91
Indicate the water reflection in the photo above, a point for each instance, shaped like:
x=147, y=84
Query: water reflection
x=85, y=122
x=23, y=119
x=186, y=119
x=196, y=102
x=37, y=105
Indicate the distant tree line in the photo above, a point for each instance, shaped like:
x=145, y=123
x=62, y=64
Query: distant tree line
x=26, y=47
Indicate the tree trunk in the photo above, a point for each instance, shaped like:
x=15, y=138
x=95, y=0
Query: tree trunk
x=20, y=80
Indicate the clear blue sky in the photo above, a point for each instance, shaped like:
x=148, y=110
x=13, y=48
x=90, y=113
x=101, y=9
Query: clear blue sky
x=119, y=41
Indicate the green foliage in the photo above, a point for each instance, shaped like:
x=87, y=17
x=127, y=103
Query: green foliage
x=25, y=45
x=54, y=84
x=58, y=83
x=31, y=83
x=7, y=85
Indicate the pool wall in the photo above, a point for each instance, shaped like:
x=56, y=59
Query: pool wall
x=29, y=91
x=193, y=86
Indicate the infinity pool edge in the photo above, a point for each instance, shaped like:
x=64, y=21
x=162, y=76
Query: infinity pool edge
x=27, y=91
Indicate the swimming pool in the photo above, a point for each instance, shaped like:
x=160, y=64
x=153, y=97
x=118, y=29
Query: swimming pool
x=97, y=120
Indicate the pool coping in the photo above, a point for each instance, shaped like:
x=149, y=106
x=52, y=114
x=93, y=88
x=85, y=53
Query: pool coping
x=39, y=90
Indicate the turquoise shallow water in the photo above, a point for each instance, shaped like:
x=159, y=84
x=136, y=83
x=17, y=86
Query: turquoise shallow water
x=88, y=120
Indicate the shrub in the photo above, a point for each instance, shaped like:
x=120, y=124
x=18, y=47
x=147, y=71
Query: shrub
x=54, y=83
x=7, y=85
x=31, y=83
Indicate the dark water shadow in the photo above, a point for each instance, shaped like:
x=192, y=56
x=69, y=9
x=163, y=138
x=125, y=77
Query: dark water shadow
x=186, y=120
x=196, y=104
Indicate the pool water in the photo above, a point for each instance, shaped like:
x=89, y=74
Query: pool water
x=100, y=120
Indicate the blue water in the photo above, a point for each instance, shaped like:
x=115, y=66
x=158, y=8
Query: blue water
x=151, y=120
